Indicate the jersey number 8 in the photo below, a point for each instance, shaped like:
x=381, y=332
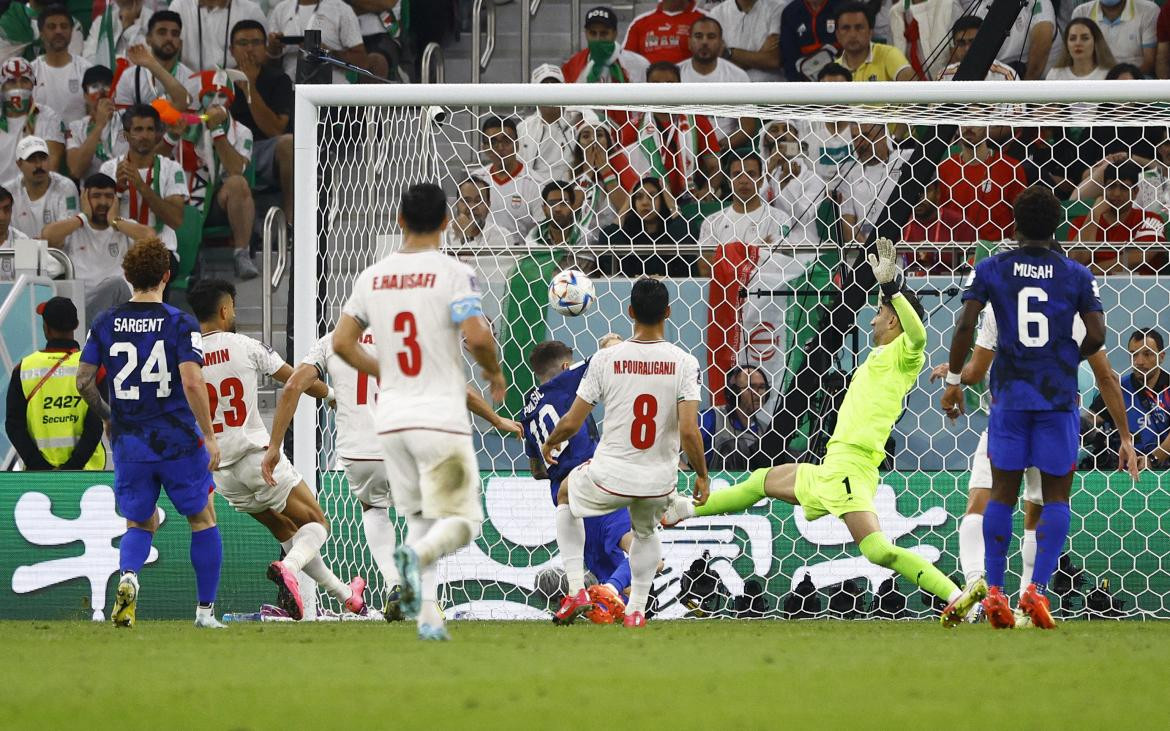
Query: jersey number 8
x=1026, y=319
x=644, y=429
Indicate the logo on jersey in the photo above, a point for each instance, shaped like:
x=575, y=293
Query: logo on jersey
x=197, y=343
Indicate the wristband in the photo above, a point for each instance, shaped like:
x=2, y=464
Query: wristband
x=954, y=379
x=84, y=219
x=892, y=287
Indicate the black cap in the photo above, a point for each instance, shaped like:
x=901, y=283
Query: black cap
x=601, y=14
x=96, y=75
x=59, y=313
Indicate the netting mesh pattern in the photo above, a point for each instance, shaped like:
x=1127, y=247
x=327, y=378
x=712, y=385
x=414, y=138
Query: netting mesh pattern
x=757, y=217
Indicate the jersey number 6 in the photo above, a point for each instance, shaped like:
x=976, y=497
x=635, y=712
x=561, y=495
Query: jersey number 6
x=1026, y=319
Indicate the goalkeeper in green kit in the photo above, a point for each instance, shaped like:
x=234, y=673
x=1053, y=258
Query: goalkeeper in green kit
x=845, y=483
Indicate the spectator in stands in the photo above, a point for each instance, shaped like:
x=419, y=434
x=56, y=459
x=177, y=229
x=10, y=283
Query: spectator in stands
x=47, y=421
x=8, y=232
x=472, y=226
x=122, y=24
x=340, y=33
x=601, y=61
x=751, y=36
x=97, y=136
x=794, y=188
x=979, y=184
x=156, y=70
x=153, y=189
x=963, y=34
x=1085, y=54
x=1162, y=53
x=651, y=223
x=42, y=195
x=707, y=193
x=381, y=26
x=1136, y=233
x=1146, y=390
x=1128, y=26
x=748, y=220
x=603, y=175
x=514, y=192
x=808, y=37
x=921, y=30
x=931, y=231
x=1030, y=39
x=882, y=163
x=732, y=432
x=58, y=72
x=34, y=10
x=206, y=24
x=560, y=230
x=662, y=34
x=23, y=118
x=96, y=240
x=264, y=104
x=706, y=65
x=547, y=136
x=668, y=144
x=867, y=60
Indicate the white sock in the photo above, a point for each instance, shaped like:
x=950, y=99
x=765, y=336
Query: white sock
x=971, y=546
x=304, y=545
x=327, y=580
x=1028, y=553
x=429, y=594
x=380, y=539
x=644, y=556
x=571, y=541
x=446, y=535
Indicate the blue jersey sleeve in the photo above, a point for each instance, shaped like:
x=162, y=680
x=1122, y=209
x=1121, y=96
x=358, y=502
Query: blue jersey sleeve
x=1090, y=294
x=91, y=352
x=188, y=340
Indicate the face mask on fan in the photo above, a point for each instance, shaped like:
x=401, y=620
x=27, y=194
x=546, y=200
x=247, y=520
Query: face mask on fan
x=18, y=100
x=601, y=51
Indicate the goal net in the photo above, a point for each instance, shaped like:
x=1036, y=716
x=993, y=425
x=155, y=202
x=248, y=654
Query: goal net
x=756, y=202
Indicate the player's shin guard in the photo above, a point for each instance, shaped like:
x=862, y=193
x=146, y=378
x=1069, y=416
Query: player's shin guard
x=1028, y=554
x=971, y=547
x=878, y=549
x=379, y=531
x=134, y=549
x=737, y=497
x=446, y=535
x=305, y=544
x=1051, y=533
x=206, y=559
x=571, y=541
x=997, y=539
x=644, y=556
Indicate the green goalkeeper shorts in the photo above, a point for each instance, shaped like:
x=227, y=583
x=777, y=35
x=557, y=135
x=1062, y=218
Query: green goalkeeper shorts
x=837, y=486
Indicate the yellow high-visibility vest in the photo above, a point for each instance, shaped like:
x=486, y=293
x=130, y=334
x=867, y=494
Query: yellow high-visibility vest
x=56, y=411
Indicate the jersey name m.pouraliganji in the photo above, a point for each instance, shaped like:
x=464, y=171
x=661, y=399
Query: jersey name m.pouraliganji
x=543, y=408
x=357, y=398
x=413, y=304
x=640, y=385
x=141, y=345
x=232, y=363
x=1035, y=294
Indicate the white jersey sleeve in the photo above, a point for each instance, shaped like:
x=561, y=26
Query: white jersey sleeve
x=988, y=334
x=232, y=366
x=357, y=396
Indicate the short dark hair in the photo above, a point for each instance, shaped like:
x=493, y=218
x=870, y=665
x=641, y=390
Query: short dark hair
x=649, y=300
x=141, y=110
x=52, y=11
x=548, y=354
x=423, y=207
x=1148, y=332
x=479, y=183
x=855, y=7
x=834, y=69
x=1124, y=68
x=664, y=66
x=493, y=122
x=5, y=195
x=553, y=185
x=966, y=22
x=1126, y=171
x=709, y=19
x=164, y=16
x=96, y=75
x=247, y=24
x=1037, y=213
x=742, y=155
x=912, y=299
x=206, y=295
x=145, y=264
x=99, y=180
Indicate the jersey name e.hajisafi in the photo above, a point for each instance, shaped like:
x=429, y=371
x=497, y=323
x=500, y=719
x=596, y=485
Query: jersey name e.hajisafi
x=232, y=363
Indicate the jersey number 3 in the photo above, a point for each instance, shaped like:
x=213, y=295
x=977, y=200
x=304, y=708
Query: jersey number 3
x=410, y=357
x=1032, y=326
x=644, y=429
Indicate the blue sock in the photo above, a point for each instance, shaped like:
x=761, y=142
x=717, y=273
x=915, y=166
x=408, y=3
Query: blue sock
x=1051, y=533
x=134, y=549
x=206, y=557
x=997, y=539
x=620, y=578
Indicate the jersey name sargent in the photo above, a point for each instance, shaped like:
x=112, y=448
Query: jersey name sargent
x=1032, y=271
x=138, y=325
x=643, y=368
x=405, y=281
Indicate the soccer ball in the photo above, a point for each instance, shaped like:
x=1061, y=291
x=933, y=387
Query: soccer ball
x=570, y=292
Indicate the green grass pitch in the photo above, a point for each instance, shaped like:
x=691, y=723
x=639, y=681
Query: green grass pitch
x=681, y=675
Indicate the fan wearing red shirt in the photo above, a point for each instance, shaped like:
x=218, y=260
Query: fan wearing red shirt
x=663, y=34
x=980, y=184
x=1115, y=219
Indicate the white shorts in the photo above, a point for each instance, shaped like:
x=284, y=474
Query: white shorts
x=242, y=485
x=981, y=474
x=367, y=481
x=433, y=473
x=587, y=499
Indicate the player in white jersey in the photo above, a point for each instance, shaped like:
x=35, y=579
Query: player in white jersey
x=417, y=303
x=979, y=483
x=650, y=389
x=232, y=365
x=360, y=457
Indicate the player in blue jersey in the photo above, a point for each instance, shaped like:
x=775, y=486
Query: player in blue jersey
x=1035, y=293
x=606, y=536
x=159, y=422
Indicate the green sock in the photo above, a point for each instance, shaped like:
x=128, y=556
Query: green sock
x=736, y=498
x=878, y=549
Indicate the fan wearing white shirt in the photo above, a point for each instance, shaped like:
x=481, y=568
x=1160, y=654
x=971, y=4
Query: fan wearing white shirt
x=751, y=35
x=515, y=194
x=42, y=196
x=206, y=28
x=8, y=233
x=748, y=220
x=58, y=72
x=121, y=25
x=546, y=137
x=705, y=65
x=97, y=136
x=340, y=34
x=472, y=227
x=156, y=70
x=23, y=117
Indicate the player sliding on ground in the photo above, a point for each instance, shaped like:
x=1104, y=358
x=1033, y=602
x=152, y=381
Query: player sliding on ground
x=650, y=390
x=417, y=303
x=1036, y=293
x=157, y=398
x=844, y=484
x=232, y=364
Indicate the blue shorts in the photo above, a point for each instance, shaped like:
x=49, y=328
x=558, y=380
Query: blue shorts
x=1047, y=440
x=603, y=536
x=187, y=481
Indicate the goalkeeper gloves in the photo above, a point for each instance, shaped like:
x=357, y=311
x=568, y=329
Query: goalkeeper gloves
x=885, y=267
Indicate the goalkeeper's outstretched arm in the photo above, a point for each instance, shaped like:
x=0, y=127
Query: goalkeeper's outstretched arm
x=912, y=325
